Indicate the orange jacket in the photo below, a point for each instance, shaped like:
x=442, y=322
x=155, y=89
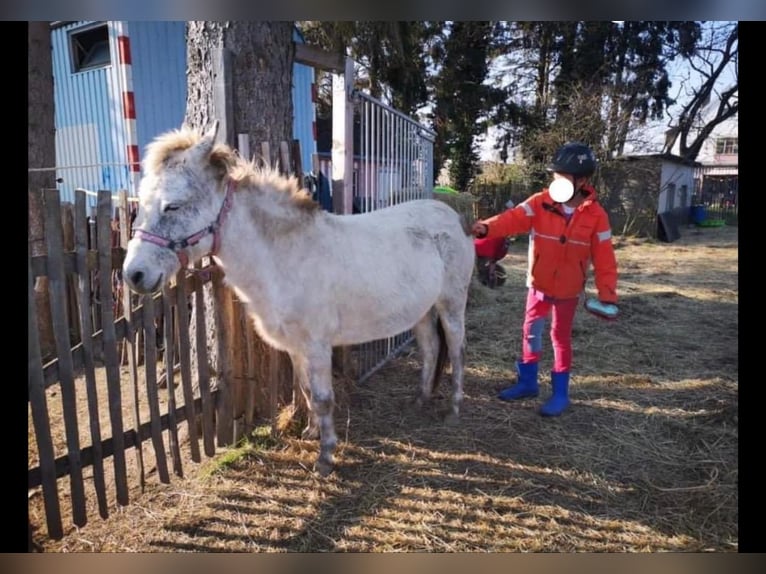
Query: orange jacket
x=561, y=252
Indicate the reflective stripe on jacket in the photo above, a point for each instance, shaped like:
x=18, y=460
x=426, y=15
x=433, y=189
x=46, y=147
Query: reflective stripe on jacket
x=561, y=251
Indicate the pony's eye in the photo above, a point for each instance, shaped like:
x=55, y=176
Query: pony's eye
x=170, y=207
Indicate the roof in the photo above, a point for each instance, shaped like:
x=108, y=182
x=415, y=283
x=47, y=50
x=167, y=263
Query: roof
x=661, y=156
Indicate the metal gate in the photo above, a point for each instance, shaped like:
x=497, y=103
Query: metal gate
x=395, y=164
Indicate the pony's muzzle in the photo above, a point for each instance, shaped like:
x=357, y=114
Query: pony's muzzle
x=139, y=282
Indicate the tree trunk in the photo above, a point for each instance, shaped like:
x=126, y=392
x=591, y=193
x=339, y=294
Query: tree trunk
x=256, y=99
x=41, y=153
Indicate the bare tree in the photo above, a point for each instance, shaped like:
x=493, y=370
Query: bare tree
x=712, y=89
x=41, y=154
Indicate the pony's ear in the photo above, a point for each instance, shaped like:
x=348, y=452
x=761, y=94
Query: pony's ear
x=212, y=133
x=204, y=147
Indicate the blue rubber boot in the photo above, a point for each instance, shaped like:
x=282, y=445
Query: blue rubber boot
x=526, y=383
x=559, y=400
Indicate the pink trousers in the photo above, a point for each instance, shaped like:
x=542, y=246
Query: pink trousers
x=562, y=313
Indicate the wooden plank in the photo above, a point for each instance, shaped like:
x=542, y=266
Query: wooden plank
x=284, y=159
x=50, y=369
x=57, y=291
x=223, y=406
x=238, y=367
x=95, y=307
x=266, y=154
x=129, y=341
x=111, y=360
x=170, y=354
x=40, y=262
x=250, y=373
x=273, y=387
x=297, y=161
x=131, y=438
x=184, y=355
x=40, y=420
x=203, y=371
x=667, y=227
x=67, y=228
x=83, y=276
x=150, y=368
x=318, y=58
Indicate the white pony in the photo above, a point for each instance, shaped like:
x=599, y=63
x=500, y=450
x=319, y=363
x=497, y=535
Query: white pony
x=311, y=279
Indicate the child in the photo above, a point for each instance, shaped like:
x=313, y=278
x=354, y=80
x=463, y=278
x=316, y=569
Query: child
x=568, y=231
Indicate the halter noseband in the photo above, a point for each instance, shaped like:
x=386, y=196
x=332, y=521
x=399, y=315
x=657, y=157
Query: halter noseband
x=178, y=246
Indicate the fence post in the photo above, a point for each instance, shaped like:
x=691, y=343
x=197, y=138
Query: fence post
x=129, y=343
x=343, y=162
x=57, y=289
x=343, y=140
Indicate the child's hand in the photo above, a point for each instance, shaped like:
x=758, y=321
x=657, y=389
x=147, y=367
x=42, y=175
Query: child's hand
x=479, y=229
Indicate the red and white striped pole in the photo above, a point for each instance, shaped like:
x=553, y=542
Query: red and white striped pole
x=128, y=103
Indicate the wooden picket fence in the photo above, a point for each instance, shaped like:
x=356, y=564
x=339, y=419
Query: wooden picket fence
x=108, y=367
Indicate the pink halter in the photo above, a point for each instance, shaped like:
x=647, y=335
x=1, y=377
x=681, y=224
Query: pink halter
x=178, y=246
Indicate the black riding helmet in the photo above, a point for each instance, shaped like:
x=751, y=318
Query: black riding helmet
x=574, y=158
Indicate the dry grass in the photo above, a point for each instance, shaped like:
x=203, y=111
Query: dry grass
x=645, y=460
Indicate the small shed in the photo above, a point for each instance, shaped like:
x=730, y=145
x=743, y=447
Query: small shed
x=648, y=195
x=117, y=85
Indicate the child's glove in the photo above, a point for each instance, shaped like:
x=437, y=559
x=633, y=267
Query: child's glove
x=602, y=310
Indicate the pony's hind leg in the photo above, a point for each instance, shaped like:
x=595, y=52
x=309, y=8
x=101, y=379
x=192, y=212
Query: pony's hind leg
x=318, y=365
x=427, y=338
x=453, y=321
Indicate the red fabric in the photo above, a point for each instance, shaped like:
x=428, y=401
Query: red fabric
x=562, y=313
x=491, y=248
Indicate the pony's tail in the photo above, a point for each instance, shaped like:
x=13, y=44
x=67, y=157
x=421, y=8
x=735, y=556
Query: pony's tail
x=441, y=358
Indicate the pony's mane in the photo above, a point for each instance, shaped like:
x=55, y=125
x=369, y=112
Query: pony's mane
x=229, y=162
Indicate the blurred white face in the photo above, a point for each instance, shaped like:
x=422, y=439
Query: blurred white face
x=562, y=188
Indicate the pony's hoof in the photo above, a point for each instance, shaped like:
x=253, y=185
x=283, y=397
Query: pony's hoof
x=452, y=419
x=324, y=468
x=421, y=402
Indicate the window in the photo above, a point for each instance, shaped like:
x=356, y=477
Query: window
x=684, y=195
x=90, y=48
x=727, y=146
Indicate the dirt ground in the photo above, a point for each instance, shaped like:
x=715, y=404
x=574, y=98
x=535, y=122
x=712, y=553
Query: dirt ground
x=644, y=460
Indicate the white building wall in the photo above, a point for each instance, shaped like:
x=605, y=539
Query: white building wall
x=676, y=186
x=727, y=129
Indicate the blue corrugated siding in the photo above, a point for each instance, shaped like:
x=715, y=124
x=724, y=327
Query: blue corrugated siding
x=303, y=113
x=303, y=109
x=159, y=77
x=89, y=117
x=87, y=120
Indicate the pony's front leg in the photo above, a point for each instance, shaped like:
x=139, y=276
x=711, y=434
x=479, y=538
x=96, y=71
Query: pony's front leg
x=319, y=369
x=300, y=369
